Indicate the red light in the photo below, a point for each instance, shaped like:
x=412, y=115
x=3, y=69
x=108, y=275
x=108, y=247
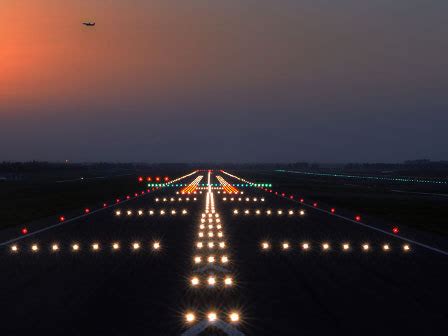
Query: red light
x=157, y=179
x=283, y=194
x=333, y=210
x=135, y=194
x=149, y=179
x=128, y=197
x=118, y=200
x=140, y=179
x=104, y=205
x=87, y=210
x=291, y=197
x=302, y=200
x=147, y=190
x=62, y=218
x=358, y=218
x=276, y=193
x=143, y=192
x=395, y=230
x=314, y=204
x=166, y=178
x=24, y=231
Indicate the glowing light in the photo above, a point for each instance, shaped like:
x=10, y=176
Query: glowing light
x=326, y=246
x=211, y=281
x=34, y=248
x=156, y=245
x=357, y=218
x=235, y=212
x=210, y=234
x=234, y=317
x=290, y=212
x=201, y=234
x=265, y=245
x=118, y=213
x=345, y=246
x=285, y=245
x=14, y=248
x=62, y=218
x=224, y=259
x=136, y=246
x=115, y=246
x=211, y=259
x=406, y=248
x=140, y=212
x=199, y=245
x=194, y=281
x=212, y=316
x=190, y=317
x=365, y=247
x=211, y=245
x=386, y=247
x=305, y=246
x=228, y=281
x=302, y=212
x=197, y=260
x=24, y=231
x=220, y=234
x=75, y=247
x=222, y=244
x=95, y=246
x=395, y=230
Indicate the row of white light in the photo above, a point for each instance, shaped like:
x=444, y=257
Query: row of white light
x=212, y=316
x=94, y=247
x=212, y=281
x=172, y=199
x=240, y=199
x=265, y=245
x=151, y=212
x=269, y=212
x=211, y=245
x=211, y=259
x=190, y=193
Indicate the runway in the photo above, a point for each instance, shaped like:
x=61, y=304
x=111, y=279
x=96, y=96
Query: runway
x=295, y=269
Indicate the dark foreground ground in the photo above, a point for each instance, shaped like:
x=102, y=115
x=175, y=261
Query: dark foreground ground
x=277, y=292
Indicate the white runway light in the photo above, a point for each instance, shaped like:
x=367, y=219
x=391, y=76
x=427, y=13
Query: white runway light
x=190, y=317
x=212, y=316
x=14, y=248
x=195, y=281
x=211, y=281
x=386, y=247
x=115, y=246
x=156, y=245
x=35, y=248
x=234, y=317
x=406, y=248
x=325, y=246
x=345, y=246
x=75, y=247
x=305, y=246
x=136, y=246
x=365, y=247
x=228, y=281
x=265, y=245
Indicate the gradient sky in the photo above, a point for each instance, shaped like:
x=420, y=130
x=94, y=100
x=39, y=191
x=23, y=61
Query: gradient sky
x=234, y=81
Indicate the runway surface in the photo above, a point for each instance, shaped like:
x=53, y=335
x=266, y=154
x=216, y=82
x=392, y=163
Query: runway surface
x=293, y=269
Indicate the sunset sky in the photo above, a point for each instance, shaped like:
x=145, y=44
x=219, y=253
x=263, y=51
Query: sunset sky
x=234, y=81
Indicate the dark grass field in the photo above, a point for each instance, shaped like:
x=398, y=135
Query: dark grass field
x=50, y=193
x=379, y=199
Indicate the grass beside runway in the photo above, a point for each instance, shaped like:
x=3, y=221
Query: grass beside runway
x=369, y=198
